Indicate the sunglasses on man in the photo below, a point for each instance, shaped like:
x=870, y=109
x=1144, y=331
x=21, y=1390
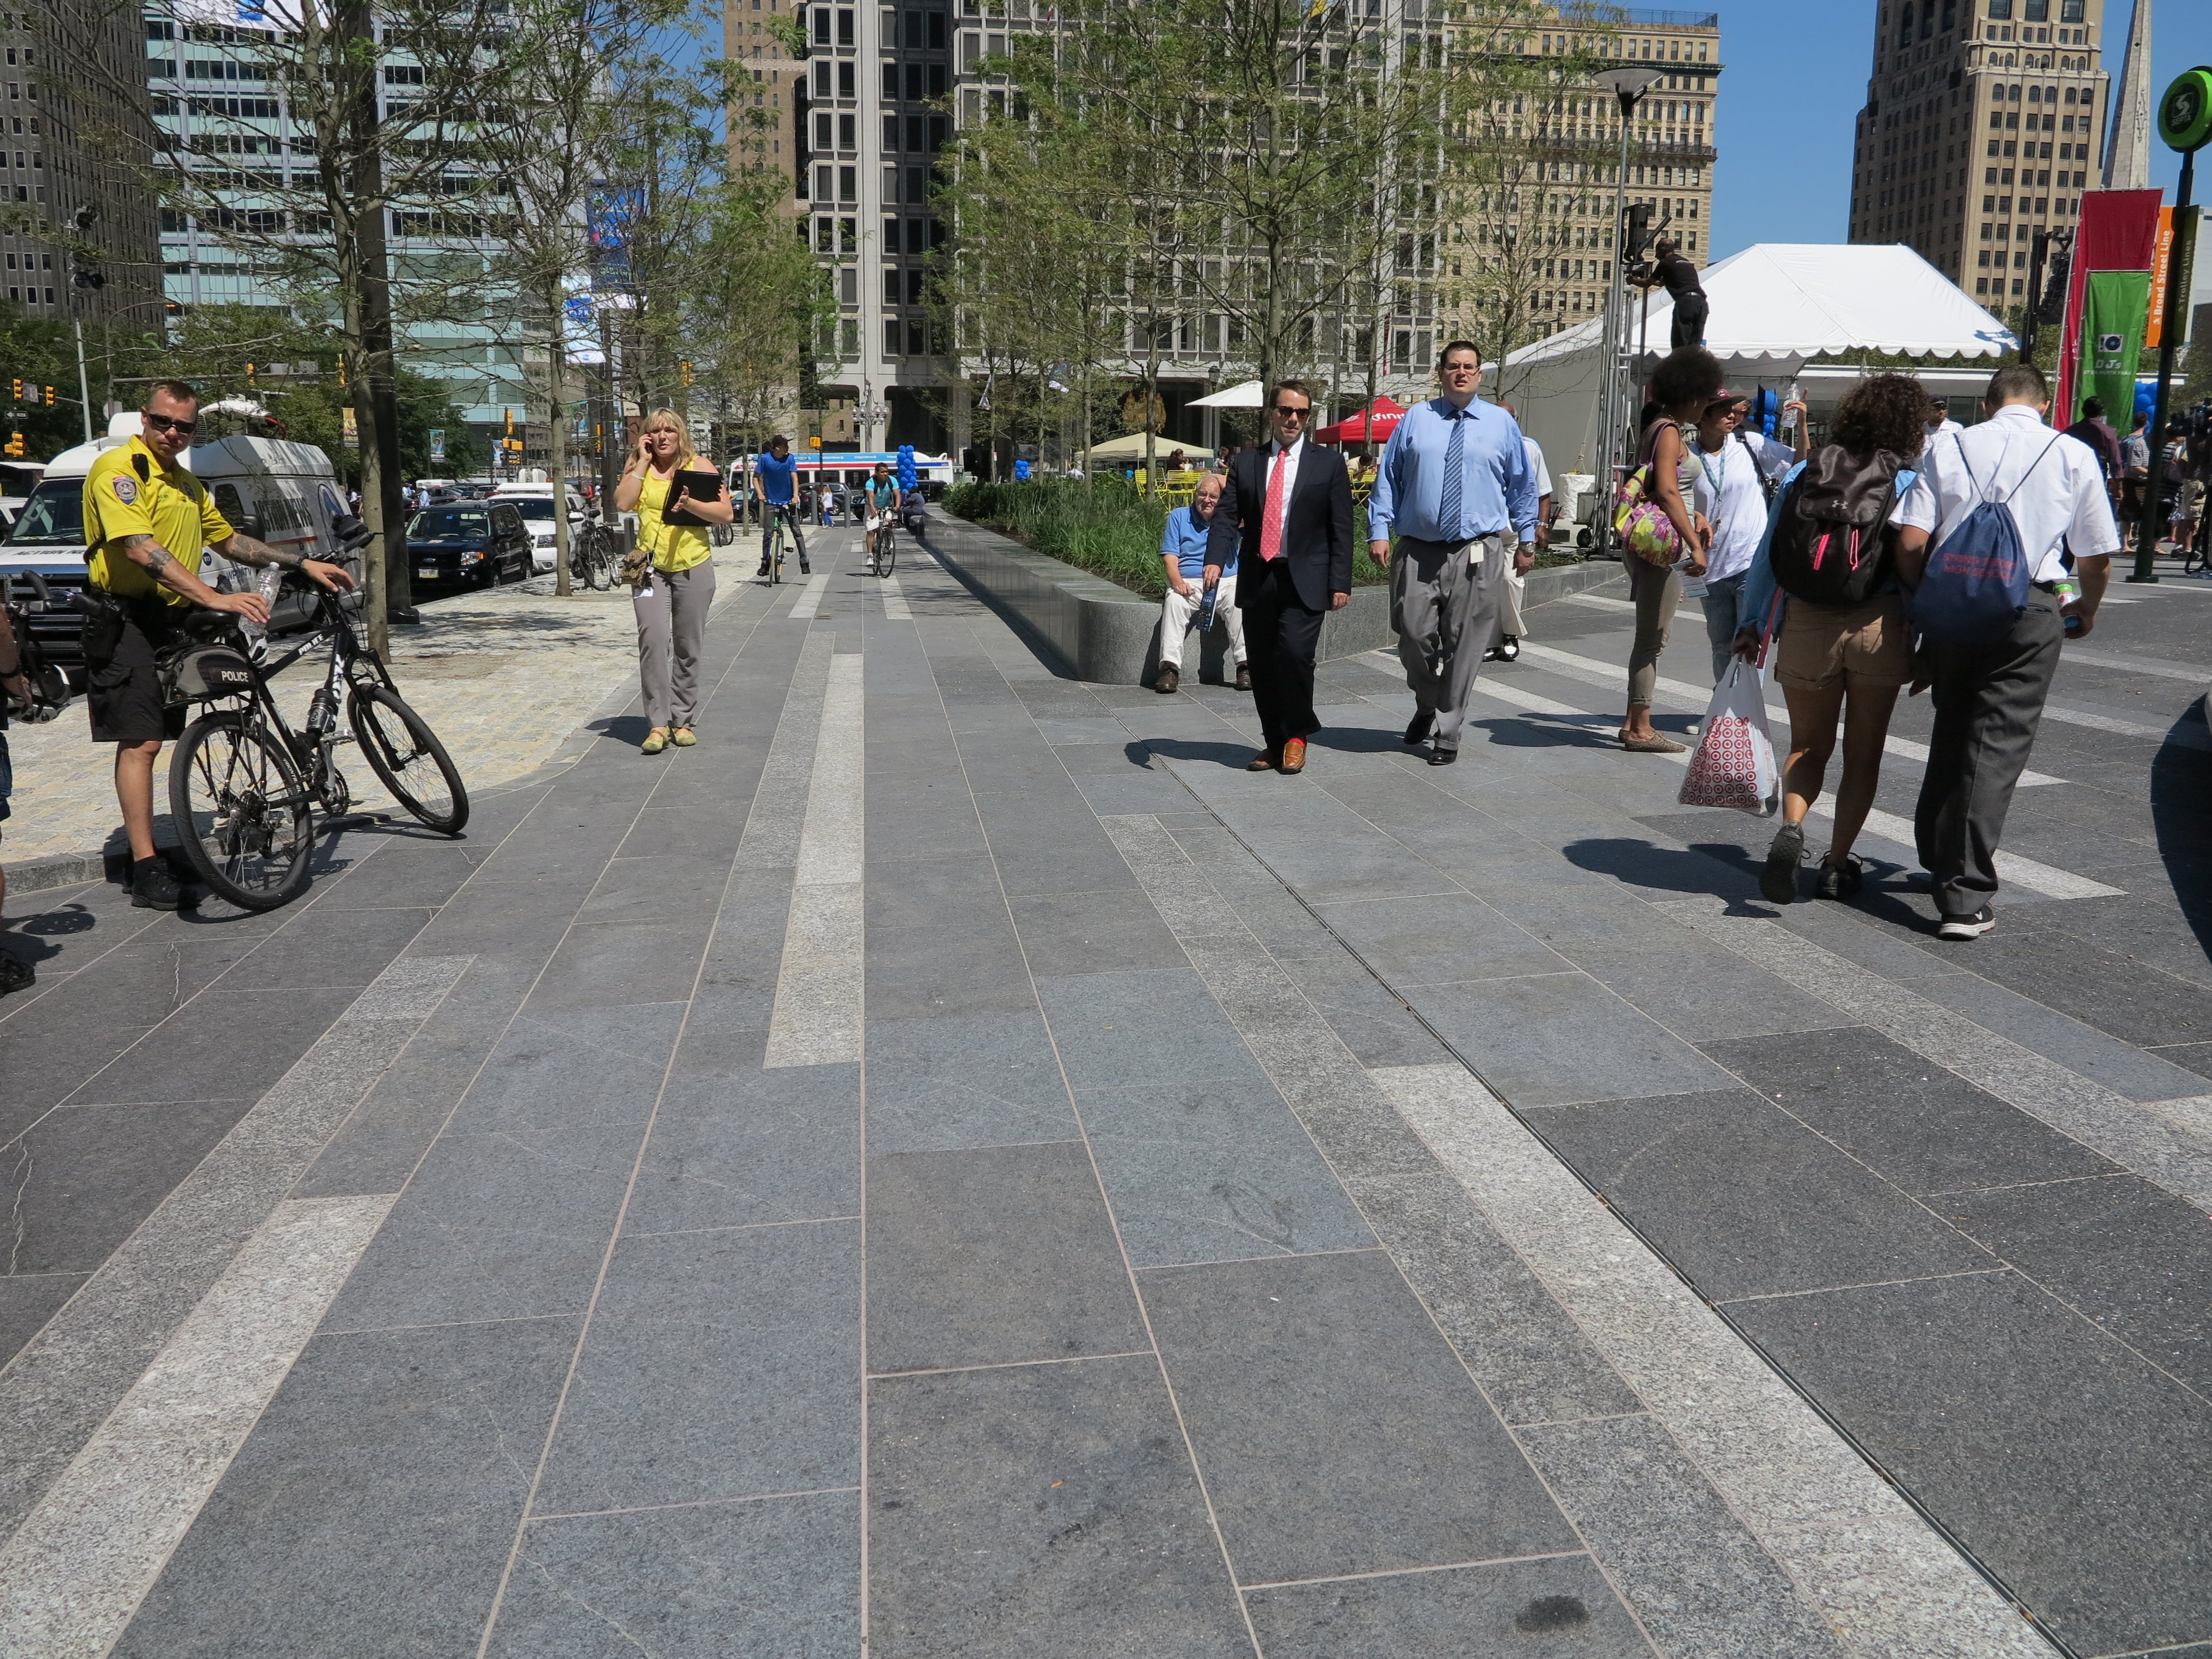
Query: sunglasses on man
x=1286, y=410
x=169, y=423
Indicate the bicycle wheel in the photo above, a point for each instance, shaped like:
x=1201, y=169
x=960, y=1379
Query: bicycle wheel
x=886, y=551
x=241, y=811
x=590, y=559
x=403, y=752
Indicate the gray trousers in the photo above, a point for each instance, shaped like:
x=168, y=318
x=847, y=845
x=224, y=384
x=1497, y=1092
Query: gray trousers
x=1989, y=701
x=1445, y=614
x=672, y=626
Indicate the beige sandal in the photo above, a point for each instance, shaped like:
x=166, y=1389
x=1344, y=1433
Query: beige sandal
x=655, y=741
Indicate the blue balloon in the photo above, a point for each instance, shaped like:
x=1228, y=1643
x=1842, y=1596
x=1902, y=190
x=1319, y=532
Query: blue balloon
x=1021, y=469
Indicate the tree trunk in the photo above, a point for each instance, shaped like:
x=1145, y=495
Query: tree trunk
x=376, y=404
x=556, y=432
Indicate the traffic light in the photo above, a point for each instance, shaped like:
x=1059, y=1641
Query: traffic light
x=684, y=370
x=19, y=392
x=510, y=421
x=50, y=397
x=15, y=444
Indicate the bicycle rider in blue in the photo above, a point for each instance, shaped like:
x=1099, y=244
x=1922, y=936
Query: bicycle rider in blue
x=779, y=471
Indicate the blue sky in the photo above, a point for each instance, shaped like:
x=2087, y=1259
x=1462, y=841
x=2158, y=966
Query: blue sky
x=1795, y=76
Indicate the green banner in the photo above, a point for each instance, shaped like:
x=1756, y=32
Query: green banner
x=2115, y=308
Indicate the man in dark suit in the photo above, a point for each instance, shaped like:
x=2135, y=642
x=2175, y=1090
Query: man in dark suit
x=1288, y=506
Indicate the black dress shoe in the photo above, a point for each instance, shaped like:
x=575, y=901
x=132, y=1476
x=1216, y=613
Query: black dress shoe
x=1442, y=756
x=1421, y=726
x=1243, y=678
x=1170, y=677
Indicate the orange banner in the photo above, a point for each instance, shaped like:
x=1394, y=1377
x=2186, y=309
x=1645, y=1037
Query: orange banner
x=2154, y=326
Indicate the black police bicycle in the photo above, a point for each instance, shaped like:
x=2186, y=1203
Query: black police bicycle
x=245, y=788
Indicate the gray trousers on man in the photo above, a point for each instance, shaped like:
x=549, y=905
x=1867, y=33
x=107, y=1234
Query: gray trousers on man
x=1445, y=614
x=1989, y=699
x=672, y=626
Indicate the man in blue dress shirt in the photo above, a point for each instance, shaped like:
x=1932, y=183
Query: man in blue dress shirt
x=1183, y=551
x=1455, y=484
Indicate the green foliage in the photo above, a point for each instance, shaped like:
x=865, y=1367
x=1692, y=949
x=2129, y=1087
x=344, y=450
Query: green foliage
x=214, y=347
x=1103, y=526
x=40, y=352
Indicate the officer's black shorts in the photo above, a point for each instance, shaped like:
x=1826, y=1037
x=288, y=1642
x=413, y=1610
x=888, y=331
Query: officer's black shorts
x=124, y=693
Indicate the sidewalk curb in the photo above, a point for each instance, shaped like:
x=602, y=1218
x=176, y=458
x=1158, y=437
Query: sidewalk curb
x=1094, y=630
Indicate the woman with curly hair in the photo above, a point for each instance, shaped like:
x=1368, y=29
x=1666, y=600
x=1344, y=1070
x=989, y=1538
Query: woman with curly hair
x=1683, y=384
x=1838, y=664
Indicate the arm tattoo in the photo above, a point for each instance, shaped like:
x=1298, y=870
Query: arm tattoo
x=244, y=549
x=144, y=549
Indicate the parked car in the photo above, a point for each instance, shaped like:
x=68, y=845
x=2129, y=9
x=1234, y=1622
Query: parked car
x=468, y=544
x=536, y=503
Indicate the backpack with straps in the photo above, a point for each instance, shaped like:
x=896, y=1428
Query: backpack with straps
x=1976, y=584
x=1833, y=543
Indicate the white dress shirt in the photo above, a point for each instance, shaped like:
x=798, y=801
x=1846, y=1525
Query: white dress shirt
x=1536, y=466
x=2062, y=503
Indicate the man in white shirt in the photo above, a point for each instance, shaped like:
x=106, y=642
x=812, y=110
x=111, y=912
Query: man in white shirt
x=1989, y=697
x=1737, y=471
x=1942, y=422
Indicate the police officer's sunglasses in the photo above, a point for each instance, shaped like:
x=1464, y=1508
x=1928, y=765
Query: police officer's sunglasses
x=169, y=423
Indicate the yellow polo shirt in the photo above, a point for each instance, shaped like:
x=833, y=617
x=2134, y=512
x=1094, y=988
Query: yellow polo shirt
x=129, y=492
x=674, y=546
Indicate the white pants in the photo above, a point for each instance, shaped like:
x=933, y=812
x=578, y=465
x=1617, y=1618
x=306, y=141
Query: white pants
x=1508, y=603
x=1176, y=612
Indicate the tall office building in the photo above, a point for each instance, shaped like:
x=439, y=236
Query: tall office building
x=867, y=121
x=62, y=124
x=1980, y=128
x=1574, y=151
x=213, y=108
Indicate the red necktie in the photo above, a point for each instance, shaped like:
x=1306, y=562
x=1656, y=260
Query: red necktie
x=1271, y=517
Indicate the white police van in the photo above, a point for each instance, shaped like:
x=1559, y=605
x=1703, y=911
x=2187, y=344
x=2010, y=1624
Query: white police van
x=275, y=490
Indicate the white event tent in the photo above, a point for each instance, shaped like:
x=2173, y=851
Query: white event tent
x=1773, y=307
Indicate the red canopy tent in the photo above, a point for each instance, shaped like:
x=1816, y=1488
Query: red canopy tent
x=1382, y=413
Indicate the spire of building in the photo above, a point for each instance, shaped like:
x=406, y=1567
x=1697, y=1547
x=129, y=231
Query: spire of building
x=2127, y=145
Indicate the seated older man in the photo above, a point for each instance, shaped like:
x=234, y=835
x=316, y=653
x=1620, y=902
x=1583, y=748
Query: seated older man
x=1183, y=551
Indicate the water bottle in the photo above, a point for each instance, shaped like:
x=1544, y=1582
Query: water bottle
x=2069, y=593
x=1205, y=610
x=1789, y=415
x=322, y=711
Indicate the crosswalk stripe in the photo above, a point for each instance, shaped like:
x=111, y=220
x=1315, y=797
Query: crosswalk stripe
x=805, y=607
x=2156, y=666
x=817, y=1017
x=1598, y=673
x=2015, y=870
x=895, y=606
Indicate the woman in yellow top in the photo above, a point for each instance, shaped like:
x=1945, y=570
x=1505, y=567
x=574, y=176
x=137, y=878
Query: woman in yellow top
x=672, y=601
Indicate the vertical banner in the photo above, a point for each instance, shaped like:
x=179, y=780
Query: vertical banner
x=2154, y=334
x=2115, y=305
x=2119, y=231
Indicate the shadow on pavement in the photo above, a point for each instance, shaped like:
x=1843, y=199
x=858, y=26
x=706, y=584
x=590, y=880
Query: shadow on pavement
x=1231, y=755
x=2181, y=814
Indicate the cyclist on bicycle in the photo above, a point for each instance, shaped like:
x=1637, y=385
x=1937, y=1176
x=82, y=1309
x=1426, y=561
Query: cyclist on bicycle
x=150, y=522
x=882, y=503
x=779, y=470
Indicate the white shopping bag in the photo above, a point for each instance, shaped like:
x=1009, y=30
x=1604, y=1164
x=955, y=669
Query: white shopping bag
x=1733, y=765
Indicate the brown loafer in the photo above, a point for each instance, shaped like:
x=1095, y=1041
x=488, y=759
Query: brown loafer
x=1170, y=678
x=1262, y=762
x=1294, y=756
x=1243, y=678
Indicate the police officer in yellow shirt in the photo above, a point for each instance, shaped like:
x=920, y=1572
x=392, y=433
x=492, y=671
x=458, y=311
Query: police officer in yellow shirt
x=150, y=522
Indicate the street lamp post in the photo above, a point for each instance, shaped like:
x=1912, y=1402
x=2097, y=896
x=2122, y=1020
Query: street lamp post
x=1628, y=86
x=2184, y=121
x=868, y=413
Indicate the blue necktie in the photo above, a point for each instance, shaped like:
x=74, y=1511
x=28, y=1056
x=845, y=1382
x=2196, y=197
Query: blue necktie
x=1447, y=513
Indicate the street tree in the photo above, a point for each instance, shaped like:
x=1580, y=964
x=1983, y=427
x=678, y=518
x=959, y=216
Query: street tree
x=384, y=99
